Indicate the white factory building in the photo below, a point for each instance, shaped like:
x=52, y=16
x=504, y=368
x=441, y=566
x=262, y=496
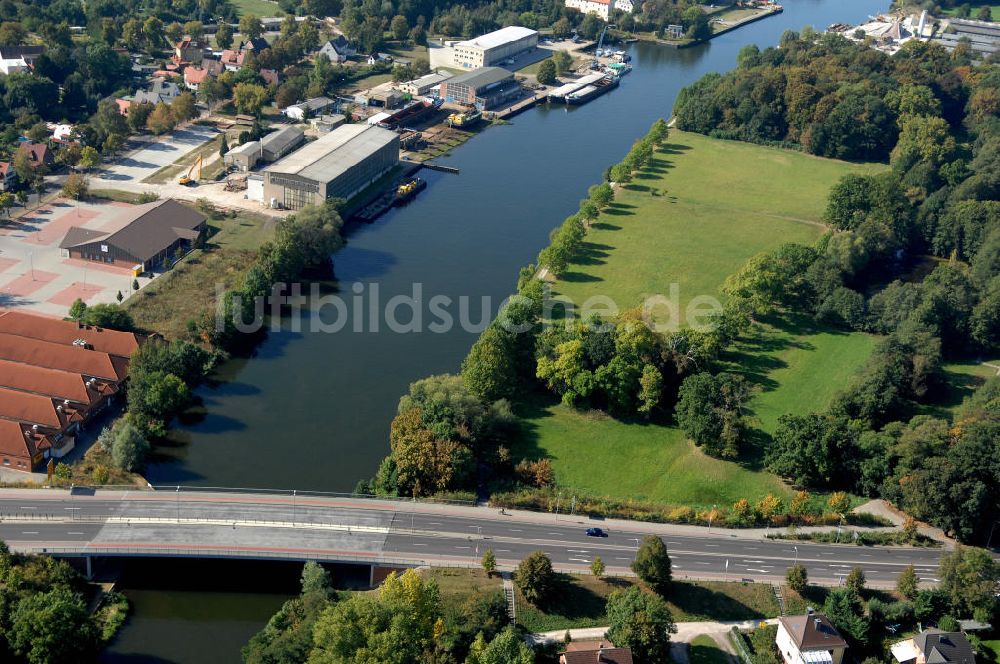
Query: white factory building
x=601, y=8
x=493, y=48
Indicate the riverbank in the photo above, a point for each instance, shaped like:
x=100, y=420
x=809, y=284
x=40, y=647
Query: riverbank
x=741, y=18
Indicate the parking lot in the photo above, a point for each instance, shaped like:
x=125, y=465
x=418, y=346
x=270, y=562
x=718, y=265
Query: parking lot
x=140, y=164
x=35, y=276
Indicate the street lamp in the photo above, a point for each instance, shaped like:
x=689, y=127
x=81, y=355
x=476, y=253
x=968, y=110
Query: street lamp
x=178, y=503
x=711, y=515
x=293, y=506
x=796, y=554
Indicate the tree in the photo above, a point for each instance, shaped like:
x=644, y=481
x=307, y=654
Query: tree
x=152, y=30
x=399, y=27
x=563, y=62
x=602, y=195
x=316, y=579
x=183, y=108
x=652, y=564
x=194, y=29
x=77, y=309
x=640, y=621
x=24, y=167
x=250, y=26
x=249, y=98
x=174, y=31
x=110, y=316
x=489, y=562
x=710, y=412
x=52, y=628
x=985, y=13
x=839, y=502
x=506, y=648
x=75, y=186
x=855, y=581
x=224, y=35
x=907, y=582
x=128, y=446
x=89, y=157
x=160, y=119
x=597, y=567
x=797, y=578
x=535, y=579
x=6, y=202
x=970, y=577
x=546, y=72
x=846, y=611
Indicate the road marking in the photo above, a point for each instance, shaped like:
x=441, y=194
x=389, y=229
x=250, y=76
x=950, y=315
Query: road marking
x=413, y=544
x=753, y=561
x=71, y=508
x=760, y=571
x=620, y=558
x=701, y=563
x=503, y=550
x=578, y=550
x=74, y=532
x=750, y=548
x=579, y=560
x=865, y=555
x=23, y=507
x=677, y=543
x=463, y=547
x=516, y=530
x=29, y=532
x=712, y=545
x=556, y=534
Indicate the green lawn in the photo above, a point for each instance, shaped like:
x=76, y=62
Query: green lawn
x=458, y=585
x=991, y=650
x=704, y=650
x=975, y=8
x=702, y=208
x=260, y=8
x=582, y=598
x=961, y=380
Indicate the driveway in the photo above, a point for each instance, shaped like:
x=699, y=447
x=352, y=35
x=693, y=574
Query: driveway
x=151, y=157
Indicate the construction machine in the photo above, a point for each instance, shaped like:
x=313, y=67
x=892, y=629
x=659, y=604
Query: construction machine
x=187, y=179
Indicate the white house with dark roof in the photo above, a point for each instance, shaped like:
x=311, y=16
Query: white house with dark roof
x=809, y=639
x=934, y=647
x=337, y=49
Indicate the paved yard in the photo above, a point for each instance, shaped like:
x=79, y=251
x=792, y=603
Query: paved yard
x=140, y=164
x=35, y=276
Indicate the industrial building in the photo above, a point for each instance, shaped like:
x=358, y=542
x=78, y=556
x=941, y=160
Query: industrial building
x=494, y=47
x=425, y=84
x=150, y=234
x=486, y=87
x=309, y=108
x=337, y=165
x=277, y=144
x=243, y=157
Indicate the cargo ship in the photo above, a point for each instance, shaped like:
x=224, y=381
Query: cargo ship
x=409, y=189
x=465, y=119
x=585, y=94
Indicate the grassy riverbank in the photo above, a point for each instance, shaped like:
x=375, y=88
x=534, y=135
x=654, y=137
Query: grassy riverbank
x=691, y=218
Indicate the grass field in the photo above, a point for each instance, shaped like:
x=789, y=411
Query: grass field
x=582, y=598
x=260, y=8
x=975, y=8
x=694, y=217
x=961, y=380
x=458, y=585
x=704, y=650
x=184, y=292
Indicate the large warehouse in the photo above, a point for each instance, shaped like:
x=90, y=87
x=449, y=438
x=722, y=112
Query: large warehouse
x=337, y=165
x=494, y=47
x=485, y=87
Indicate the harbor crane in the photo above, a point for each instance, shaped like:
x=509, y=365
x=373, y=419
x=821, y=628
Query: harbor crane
x=600, y=42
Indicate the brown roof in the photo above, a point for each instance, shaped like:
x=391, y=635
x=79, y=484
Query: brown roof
x=63, y=357
x=39, y=152
x=14, y=442
x=195, y=75
x=35, y=409
x=153, y=227
x=49, y=382
x=594, y=652
x=813, y=632
x=113, y=342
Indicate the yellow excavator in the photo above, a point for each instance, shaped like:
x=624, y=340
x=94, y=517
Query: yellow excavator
x=187, y=179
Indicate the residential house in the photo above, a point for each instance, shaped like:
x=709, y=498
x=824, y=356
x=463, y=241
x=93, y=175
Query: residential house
x=934, y=647
x=194, y=76
x=15, y=59
x=232, y=60
x=271, y=77
x=124, y=104
x=160, y=90
x=257, y=44
x=308, y=108
x=601, y=8
x=8, y=178
x=40, y=154
x=809, y=639
x=189, y=51
x=338, y=49
x=152, y=234
x=594, y=652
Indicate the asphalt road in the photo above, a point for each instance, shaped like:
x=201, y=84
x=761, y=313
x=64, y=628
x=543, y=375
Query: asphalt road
x=122, y=523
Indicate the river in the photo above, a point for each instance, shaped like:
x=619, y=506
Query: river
x=311, y=410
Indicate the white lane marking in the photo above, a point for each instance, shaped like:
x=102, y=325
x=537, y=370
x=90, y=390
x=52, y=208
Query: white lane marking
x=463, y=547
x=578, y=550
x=516, y=530
x=23, y=507
x=620, y=558
x=753, y=561
x=699, y=563
x=865, y=555
x=760, y=571
x=503, y=550
x=419, y=544
x=433, y=523
x=750, y=548
x=716, y=546
x=29, y=532
x=74, y=532
x=556, y=534
x=71, y=508
x=579, y=560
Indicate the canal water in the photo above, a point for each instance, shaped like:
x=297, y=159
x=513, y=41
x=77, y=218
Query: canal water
x=311, y=410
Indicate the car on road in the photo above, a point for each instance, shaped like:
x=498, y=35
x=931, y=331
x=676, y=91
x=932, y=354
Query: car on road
x=596, y=532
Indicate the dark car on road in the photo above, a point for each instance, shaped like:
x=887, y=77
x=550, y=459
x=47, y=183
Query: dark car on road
x=596, y=532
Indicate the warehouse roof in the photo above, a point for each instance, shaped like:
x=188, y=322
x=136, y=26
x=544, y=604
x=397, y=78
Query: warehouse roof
x=431, y=79
x=76, y=359
x=478, y=78
x=499, y=37
x=249, y=147
x=152, y=228
x=279, y=140
x=325, y=159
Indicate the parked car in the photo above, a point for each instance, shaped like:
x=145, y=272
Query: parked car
x=596, y=532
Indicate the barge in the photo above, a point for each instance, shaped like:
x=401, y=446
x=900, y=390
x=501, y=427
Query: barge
x=590, y=92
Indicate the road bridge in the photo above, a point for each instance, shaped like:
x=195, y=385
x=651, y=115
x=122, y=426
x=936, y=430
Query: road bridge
x=399, y=533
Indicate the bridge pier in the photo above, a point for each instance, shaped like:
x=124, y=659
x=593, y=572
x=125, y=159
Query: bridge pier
x=90, y=572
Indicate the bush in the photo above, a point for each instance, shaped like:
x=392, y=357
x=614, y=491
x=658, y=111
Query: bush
x=797, y=578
